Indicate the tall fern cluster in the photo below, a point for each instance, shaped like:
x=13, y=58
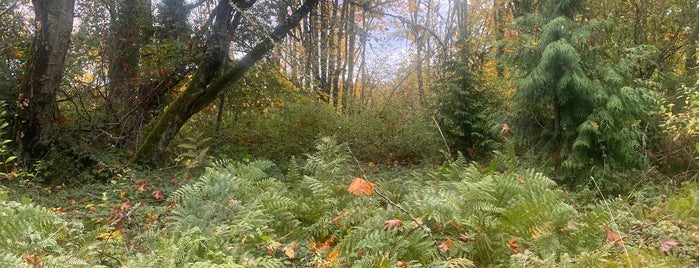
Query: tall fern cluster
x=29, y=233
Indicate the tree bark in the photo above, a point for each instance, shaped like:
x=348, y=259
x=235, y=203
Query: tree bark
x=37, y=100
x=201, y=93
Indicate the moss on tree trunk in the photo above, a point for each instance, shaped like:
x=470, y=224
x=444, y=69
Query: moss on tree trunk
x=200, y=93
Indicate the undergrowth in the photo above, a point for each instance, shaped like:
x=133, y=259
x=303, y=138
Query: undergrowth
x=457, y=214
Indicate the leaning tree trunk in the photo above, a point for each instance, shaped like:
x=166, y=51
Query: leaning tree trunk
x=37, y=100
x=196, y=97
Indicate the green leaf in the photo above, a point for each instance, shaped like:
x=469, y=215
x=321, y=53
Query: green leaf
x=10, y=159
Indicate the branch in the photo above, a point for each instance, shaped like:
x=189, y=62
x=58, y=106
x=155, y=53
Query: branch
x=401, y=208
x=11, y=7
x=403, y=20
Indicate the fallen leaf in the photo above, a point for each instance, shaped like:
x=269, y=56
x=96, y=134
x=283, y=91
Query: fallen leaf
x=272, y=247
x=401, y=264
x=321, y=245
x=667, y=244
x=33, y=260
x=141, y=185
x=17, y=54
x=337, y=216
x=158, y=195
x=613, y=237
x=113, y=235
x=126, y=205
x=290, y=251
x=392, y=224
x=361, y=186
x=513, y=245
x=466, y=238
x=446, y=245
x=333, y=256
x=506, y=130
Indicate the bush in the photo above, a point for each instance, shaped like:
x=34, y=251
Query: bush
x=376, y=134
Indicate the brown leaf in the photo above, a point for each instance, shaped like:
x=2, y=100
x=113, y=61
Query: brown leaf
x=401, y=264
x=126, y=205
x=272, y=247
x=290, y=251
x=33, y=260
x=336, y=218
x=667, y=244
x=361, y=186
x=506, y=130
x=446, y=245
x=514, y=245
x=613, y=237
x=392, y=224
x=466, y=238
x=158, y=195
x=140, y=185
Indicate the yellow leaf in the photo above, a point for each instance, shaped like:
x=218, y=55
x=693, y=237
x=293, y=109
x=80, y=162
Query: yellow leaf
x=361, y=186
x=113, y=235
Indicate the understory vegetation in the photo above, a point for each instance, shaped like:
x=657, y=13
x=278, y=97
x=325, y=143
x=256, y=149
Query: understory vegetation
x=325, y=210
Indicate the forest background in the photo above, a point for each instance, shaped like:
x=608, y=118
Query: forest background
x=456, y=133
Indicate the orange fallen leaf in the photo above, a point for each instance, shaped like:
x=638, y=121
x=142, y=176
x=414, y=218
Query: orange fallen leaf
x=613, y=237
x=321, y=245
x=446, y=245
x=33, y=260
x=392, y=224
x=361, y=186
x=513, y=245
x=401, y=264
x=17, y=54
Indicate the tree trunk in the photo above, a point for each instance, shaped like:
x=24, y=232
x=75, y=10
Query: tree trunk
x=201, y=93
x=131, y=24
x=690, y=62
x=37, y=100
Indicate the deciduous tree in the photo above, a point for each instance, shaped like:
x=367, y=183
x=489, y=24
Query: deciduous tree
x=37, y=101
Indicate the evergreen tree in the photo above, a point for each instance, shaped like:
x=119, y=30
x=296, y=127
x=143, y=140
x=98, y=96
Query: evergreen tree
x=468, y=108
x=572, y=109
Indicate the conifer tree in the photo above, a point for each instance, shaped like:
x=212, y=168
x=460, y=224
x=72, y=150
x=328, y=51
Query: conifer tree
x=573, y=109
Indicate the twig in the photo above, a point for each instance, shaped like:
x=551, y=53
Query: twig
x=446, y=145
x=611, y=215
x=401, y=208
x=125, y=216
x=9, y=8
